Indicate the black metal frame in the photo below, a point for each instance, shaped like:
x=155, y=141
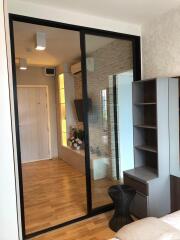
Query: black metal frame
x=116, y=126
x=137, y=76
x=85, y=117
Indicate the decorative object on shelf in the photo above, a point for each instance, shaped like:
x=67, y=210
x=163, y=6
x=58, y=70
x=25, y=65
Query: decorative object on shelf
x=76, y=139
x=122, y=196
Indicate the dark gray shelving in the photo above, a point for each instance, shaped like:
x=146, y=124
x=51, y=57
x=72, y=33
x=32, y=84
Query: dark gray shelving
x=147, y=148
x=146, y=126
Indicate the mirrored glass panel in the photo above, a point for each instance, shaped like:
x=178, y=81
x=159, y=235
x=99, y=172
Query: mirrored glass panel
x=109, y=65
x=49, y=91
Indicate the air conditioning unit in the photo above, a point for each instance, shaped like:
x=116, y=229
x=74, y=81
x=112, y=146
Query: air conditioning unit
x=76, y=68
x=50, y=71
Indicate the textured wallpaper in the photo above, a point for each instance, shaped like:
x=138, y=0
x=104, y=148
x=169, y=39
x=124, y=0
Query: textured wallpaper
x=161, y=46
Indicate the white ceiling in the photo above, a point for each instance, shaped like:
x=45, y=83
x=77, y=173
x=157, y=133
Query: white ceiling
x=63, y=46
x=134, y=11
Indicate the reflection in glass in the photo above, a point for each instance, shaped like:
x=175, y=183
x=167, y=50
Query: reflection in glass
x=51, y=134
x=109, y=80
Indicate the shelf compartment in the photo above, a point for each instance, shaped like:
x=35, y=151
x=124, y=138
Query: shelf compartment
x=145, y=92
x=147, y=148
x=145, y=137
x=145, y=115
x=145, y=126
x=144, y=103
x=146, y=159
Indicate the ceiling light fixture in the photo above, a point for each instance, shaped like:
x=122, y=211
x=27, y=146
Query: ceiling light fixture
x=22, y=64
x=40, y=41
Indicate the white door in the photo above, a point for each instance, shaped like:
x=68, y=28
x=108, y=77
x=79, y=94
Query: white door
x=33, y=123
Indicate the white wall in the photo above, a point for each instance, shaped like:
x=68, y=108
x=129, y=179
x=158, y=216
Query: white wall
x=161, y=46
x=71, y=17
x=8, y=200
x=35, y=76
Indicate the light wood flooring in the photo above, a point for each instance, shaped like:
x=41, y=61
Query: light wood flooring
x=54, y=193
x=95, y=228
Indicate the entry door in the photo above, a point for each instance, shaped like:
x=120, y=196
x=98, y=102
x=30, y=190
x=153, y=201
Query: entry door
x=33, y=123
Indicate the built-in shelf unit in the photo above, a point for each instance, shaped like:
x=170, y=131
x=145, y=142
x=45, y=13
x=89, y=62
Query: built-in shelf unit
x=151, y=174
x=145, y=114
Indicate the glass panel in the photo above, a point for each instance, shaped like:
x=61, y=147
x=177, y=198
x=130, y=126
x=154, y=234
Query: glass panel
x=109, y=82
x=51, y=127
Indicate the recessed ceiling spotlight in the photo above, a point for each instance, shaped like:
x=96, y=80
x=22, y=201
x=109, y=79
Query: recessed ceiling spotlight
x=40, y=41
x=22, y=64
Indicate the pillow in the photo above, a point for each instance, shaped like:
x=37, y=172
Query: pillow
x=148, y=229
x=169, y=236
x=172, y=219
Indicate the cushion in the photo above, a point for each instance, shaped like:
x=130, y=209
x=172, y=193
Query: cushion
x=148, y=229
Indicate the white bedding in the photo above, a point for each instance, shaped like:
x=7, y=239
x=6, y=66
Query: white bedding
x=166, y=228
x=172, y=219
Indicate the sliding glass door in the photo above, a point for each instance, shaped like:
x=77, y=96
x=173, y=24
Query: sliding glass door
x=50, y=126
x=73, y=112
x=109, y=73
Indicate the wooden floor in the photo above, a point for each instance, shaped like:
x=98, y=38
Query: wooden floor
x=92, y=229
x=54, y=193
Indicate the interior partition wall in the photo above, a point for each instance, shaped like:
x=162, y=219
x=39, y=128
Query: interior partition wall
x=115, y=59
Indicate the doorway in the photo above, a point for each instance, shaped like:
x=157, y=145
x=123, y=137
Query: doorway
x=34, y=123
x=72, y=185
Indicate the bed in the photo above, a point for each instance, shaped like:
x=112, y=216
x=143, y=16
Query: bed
x=151, y=228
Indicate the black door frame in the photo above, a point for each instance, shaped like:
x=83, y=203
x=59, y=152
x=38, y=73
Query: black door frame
x=137, y=76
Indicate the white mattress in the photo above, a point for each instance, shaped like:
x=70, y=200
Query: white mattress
x=165, y=228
